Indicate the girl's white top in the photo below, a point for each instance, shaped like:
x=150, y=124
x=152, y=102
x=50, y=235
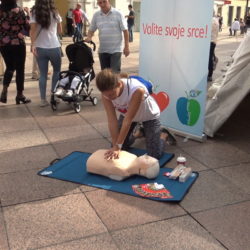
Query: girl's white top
x=47, y=38
x=148, y=109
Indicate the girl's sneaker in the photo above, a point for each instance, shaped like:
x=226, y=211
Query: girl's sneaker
x=44, y=103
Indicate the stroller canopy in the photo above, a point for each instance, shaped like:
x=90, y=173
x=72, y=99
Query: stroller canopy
x=80, y=57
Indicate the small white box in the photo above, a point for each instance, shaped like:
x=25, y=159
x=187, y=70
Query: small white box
x=176, y=172
x=185, y=174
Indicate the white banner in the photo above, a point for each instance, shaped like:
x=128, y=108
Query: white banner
x=174, y=50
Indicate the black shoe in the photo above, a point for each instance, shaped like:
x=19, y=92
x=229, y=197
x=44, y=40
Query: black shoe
x=3, y=97
x=22, y=99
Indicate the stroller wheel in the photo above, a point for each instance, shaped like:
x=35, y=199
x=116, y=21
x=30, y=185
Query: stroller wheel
x=54, y=106
x=77, y=107
x=94, y=101
x=53, y=103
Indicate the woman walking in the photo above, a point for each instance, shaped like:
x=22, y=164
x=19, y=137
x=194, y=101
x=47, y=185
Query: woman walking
x=12, y=47
x=45, y=25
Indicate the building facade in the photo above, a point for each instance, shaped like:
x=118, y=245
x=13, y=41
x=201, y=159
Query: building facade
x=90, y=7
x=230, y=10
x=227, y=9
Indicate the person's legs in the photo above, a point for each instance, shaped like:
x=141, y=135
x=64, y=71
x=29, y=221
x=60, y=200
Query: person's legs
x=115, y=62
x=130, y=32
x=112, y=61
x=64, y=81
x=20, y=64
x=43, y=63
x=211, y=61
x=105, y=60
x=1, y=65
x=241, y=30
x=75, y=82
x=79, y=29
x=154, y=144
x=20, y=67
x=75, y=34
x=56, y=60
x=69, y=26
x=9, y=61
x=80, y=26
x=230, y=32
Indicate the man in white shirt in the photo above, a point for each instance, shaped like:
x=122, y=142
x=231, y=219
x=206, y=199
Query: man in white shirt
x=112, y=27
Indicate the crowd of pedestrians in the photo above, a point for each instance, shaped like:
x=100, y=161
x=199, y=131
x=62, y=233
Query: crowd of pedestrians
x=237, y=26
x=43, y=24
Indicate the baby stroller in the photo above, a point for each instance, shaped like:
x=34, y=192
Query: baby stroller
x=81, y=72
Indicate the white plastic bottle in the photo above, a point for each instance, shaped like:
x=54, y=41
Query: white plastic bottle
x=181, y=160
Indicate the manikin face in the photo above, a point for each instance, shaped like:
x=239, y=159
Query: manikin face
x=104, y=5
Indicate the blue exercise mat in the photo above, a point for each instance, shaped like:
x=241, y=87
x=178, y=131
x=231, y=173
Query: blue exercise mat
x=73, y=168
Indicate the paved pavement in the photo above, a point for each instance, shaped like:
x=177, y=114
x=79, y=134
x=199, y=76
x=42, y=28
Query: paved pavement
x=43, y=213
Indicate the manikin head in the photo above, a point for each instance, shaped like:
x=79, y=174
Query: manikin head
x=148, y=166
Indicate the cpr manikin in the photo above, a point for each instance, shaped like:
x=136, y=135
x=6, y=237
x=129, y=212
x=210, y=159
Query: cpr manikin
x=127, y=165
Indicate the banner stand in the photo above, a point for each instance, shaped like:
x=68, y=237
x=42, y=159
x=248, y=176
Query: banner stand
x=174, y=51
x=188, y=136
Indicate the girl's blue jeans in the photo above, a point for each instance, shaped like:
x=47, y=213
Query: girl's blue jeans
x=44, y=56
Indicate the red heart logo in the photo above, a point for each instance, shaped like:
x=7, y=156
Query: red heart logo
x=162, y=100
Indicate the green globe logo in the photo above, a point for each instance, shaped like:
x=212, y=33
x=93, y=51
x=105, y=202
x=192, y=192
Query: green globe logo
x=188, y=109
